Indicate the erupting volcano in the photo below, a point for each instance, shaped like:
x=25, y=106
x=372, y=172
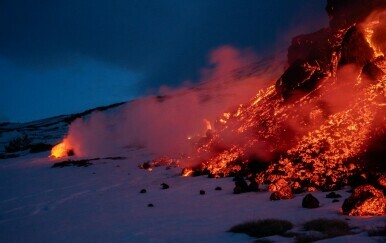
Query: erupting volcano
x=320, y=126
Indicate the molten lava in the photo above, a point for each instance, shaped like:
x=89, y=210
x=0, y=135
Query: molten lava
x=313, y=127
x=62, y=149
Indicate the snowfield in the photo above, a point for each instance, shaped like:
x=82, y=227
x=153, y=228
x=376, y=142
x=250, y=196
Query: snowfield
x=103, y=203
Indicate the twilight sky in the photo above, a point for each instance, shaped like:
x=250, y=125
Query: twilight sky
x=59, y=57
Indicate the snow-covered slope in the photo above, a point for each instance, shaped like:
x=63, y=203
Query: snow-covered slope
x=103, y=203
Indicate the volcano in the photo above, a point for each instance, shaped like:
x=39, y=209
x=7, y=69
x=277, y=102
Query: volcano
x=319, y=126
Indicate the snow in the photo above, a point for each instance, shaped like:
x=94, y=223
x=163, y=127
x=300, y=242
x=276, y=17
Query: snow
x=102, y=203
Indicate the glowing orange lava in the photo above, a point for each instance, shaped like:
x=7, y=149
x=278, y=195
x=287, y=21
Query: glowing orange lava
x=208, y=125
x=187, y=172
x=61, y=150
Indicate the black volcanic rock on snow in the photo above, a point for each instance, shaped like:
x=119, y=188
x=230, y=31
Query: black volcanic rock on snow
x=310, y=201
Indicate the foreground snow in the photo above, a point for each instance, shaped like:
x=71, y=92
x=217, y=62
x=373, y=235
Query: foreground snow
x=102, y=203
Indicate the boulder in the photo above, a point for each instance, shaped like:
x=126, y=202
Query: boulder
x=164, y=186
x=253, y=186
x=237, y=190
x=241, y=185
x=366, y=200
x=310, y=201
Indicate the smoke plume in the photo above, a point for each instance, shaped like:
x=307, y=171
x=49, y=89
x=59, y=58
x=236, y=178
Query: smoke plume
x=165, y=123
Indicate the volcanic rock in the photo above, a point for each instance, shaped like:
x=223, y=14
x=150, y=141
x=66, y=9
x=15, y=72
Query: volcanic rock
x=145, y=166
x=283, y=194
x=355, y=48
x=310, y=201
x=237, y=190
x=373, y=71
x=164, y=186
x=333, y=195
x=150, y=205
x=382, y=181
x=300, y=76
x=218, y=188
x=366, y=200
x=241, y=184
x=143, y=191
x=253, y=186
x=202, y=192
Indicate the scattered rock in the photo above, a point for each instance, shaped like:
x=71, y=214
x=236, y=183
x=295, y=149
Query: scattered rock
x=146, y=166
x=310, y=201
x=143, y=191
x=202, y=192
x=237, y=190
x=253, y=186
x=218, y=188
x=164, y=186
x=283, y=194
x=241, y=184
x=150, y=205
x=366, y=200
x=333, y=195
x=335, y=200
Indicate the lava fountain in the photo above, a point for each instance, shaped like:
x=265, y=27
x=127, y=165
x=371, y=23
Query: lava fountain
x=62, y=149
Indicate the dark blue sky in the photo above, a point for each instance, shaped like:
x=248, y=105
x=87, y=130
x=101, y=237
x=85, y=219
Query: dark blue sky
x=67, y=56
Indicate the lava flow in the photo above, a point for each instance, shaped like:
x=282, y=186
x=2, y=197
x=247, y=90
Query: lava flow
x=323, y=124
x=62, y=149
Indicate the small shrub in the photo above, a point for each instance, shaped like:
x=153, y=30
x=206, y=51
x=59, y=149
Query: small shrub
x=78, y=163
x=263, y=228
x=378, y=232
x=40, y=147
x=328, y=228
x=18, y=144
